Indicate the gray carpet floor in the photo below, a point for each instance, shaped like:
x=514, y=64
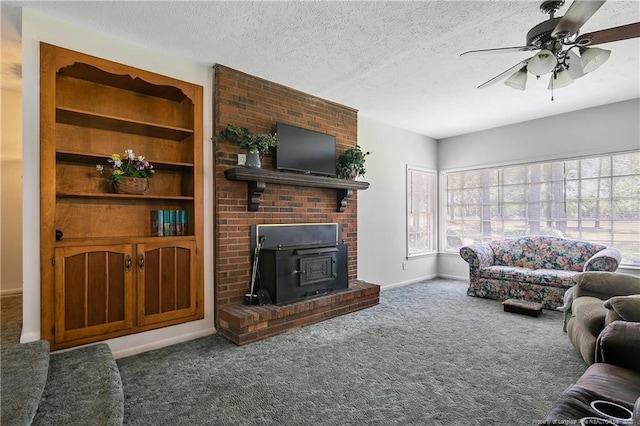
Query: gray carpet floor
x=427, y=355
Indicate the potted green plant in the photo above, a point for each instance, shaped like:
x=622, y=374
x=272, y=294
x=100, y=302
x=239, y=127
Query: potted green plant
x=256, y=144
x=351, y=163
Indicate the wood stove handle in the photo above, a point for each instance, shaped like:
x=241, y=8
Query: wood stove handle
x=296, y=272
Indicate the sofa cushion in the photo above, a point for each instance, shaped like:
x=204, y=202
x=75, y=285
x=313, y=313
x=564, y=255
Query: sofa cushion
x=627, y=307
x=560, y=253
x=552, y=277
x=518, y=252
x=509, y=273
x=546, y=277
x=544, y=252
x=619, y=344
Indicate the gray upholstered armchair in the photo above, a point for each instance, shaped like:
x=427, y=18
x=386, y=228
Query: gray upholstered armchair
x=600, y=298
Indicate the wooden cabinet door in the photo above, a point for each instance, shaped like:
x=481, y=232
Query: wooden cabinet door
x=93, y=291
x=166, y=281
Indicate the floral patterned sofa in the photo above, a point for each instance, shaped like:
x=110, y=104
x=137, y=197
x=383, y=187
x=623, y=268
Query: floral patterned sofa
x=535, y=268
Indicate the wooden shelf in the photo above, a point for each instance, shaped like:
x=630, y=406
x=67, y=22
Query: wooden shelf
x=118, y=124
x=75, y=242
x=258, y=178
x=122, y=196
x=93, y=159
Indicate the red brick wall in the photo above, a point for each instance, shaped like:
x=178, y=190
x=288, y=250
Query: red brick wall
x=258, y=104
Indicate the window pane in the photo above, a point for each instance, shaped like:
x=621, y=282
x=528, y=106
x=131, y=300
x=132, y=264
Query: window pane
x=421, y=209
x=593, y=199
x=626, y=164
x=595, y=167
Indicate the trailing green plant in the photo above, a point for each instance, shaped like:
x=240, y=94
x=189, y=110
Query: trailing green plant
x=351, y=163
x=252, y=142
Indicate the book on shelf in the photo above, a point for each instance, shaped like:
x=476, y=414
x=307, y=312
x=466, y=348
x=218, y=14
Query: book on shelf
x=185, y=220
x=181, y=222
x=157, y=223
x=168, y=223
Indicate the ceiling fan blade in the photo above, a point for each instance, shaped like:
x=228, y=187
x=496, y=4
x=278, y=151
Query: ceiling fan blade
x=503, y=74
x=499, y=50
x=623, y=32
x=579, y=12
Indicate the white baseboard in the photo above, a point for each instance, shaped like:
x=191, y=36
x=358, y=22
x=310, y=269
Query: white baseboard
x=161, y=343
x=425, y=278
x=454, y=277
x=11, y=292
x=403, y=283
x=29, y=337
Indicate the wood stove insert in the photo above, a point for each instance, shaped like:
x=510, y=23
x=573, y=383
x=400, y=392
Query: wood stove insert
x=299, y=261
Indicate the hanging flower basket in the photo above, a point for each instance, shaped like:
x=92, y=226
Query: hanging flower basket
x=131, y=185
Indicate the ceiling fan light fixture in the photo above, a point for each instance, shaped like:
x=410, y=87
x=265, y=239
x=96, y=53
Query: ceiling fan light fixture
x=593, y=57
x=574, y=65
x=559, y=79
x=542, y=62
x=518, y=79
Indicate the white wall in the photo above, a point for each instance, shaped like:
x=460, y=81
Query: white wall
x=36, y=28
x=11, y=193
x=382, y=208
x=600, y=130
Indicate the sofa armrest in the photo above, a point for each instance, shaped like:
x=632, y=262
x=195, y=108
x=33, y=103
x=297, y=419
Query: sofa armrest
x=604, y=285
x=479, y=255
x=619, y=344
x=605, y=260
x=627, y=308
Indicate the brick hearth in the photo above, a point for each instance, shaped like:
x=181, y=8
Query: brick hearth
x=244, y=324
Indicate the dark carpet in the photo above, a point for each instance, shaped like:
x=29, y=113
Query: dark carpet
x=427, y=355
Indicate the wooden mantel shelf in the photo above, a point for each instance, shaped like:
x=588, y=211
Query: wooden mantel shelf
x=257, y=180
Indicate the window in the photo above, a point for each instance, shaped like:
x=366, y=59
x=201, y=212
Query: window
x=421, y=211
x=592, y=199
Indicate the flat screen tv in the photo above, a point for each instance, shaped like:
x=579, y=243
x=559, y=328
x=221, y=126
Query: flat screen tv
x=305, y=151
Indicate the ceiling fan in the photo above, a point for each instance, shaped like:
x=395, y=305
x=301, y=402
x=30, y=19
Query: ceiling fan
x=558, y=43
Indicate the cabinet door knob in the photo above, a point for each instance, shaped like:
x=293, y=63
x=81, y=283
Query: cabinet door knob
x=140, y=262
x=127, y=262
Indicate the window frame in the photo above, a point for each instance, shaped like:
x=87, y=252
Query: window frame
x=433, y=202
x=610, y=179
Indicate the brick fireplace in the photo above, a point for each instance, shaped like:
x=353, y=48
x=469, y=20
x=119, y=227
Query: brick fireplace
x=258, y=104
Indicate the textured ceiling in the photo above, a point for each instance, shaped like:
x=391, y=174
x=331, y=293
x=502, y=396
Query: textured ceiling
x=396, y=62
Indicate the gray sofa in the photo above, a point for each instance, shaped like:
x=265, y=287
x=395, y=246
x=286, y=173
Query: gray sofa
x=599, y=299
x=614, y=377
